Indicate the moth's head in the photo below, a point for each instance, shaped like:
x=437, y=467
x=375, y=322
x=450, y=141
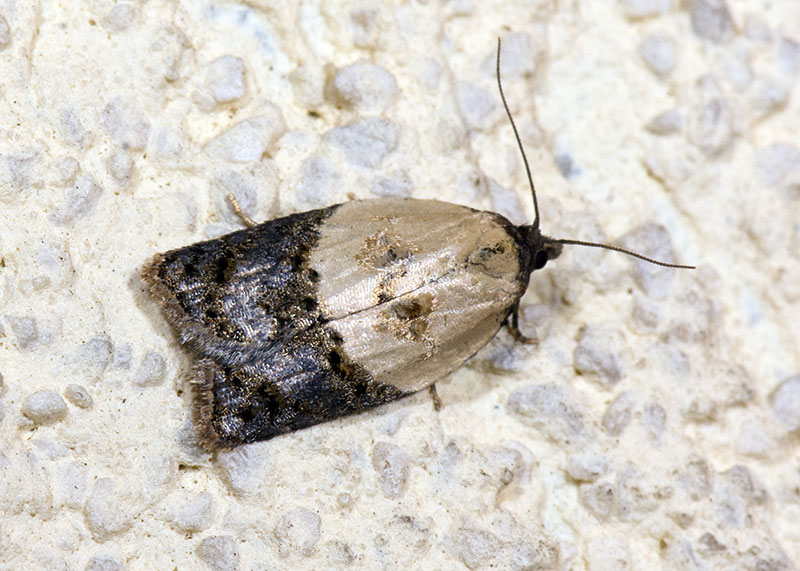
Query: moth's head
x=542, y=249
x=548, y=250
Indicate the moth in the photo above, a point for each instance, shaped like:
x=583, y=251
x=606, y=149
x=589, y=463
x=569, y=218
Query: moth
x=325, y=313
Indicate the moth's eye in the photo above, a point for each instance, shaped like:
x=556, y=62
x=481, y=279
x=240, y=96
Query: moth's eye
x=540, y=260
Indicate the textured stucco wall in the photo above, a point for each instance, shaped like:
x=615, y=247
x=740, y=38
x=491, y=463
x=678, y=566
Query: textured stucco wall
x=657, y=422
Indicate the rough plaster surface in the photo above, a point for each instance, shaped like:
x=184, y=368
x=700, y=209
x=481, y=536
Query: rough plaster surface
x=657, y=423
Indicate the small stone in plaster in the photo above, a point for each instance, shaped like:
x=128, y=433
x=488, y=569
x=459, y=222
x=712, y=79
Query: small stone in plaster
x=247, y=140
x=654, y=419
x=219, y=552
x=668, y=122
x=151, y=371
x=711, y=20
x=102, y=563
x=44, y=407
x=639, y=9
x=125, y=124
x=659, y=52
x=392, y=465
x=365, y=142
x=120, y=167
x=25, y=329
x=5, y=33
x=78, y=395
x=297, y=531
x=786, y=403
x=587, y=467
x=79, y=201
x=120, y=17
x=548, y=408
x=619, y=413
x=365, y=86
x=596, y=354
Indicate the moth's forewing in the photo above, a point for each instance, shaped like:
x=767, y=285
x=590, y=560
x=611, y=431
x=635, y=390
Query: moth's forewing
x=321, y=314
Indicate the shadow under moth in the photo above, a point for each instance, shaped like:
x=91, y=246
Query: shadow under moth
x=324, y=313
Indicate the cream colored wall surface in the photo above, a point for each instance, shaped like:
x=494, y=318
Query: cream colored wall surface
x=656, y=424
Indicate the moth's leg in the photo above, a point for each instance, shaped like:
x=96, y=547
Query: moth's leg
x=513, y=327
x=437, y=402
x=246, y=220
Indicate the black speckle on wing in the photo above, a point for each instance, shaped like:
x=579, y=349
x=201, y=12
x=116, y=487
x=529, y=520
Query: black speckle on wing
x=234, y=297
x=308, y=380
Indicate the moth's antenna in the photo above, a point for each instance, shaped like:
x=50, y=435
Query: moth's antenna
x=622, y=250
x=535, y=225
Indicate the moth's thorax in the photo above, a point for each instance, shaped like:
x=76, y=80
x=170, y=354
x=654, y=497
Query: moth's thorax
x=414, y=286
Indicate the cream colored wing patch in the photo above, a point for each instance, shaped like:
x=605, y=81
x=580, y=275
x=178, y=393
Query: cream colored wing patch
x=420, y=337
x=371, y=252
x=423, y=330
